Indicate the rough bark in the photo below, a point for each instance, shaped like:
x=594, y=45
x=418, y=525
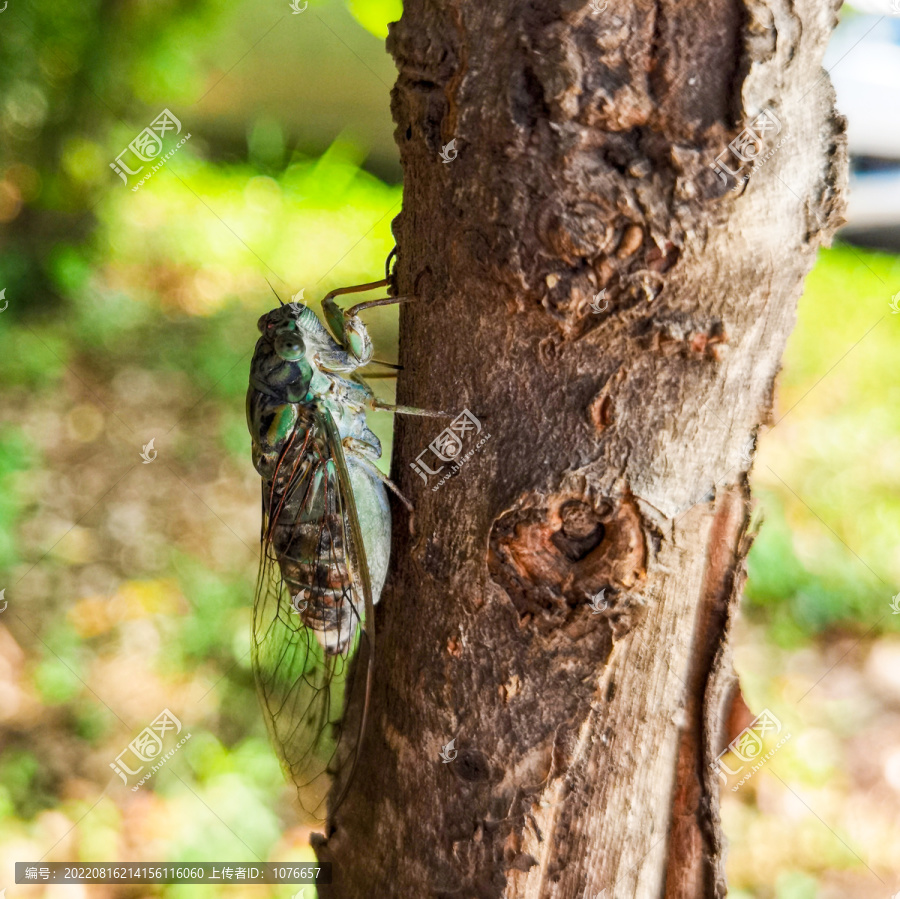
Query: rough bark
x=615, y=454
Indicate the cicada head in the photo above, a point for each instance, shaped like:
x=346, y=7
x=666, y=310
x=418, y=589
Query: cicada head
x=293, y=329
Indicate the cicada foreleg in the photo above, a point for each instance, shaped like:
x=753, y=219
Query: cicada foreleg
x=348, y=328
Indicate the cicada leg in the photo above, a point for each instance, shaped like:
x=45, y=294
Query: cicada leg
x=348, y=330
x=361, y=451
x=358, y=288
x=346, y=325
x=410, y=410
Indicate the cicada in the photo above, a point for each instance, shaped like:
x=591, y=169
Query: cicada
x=325, y=538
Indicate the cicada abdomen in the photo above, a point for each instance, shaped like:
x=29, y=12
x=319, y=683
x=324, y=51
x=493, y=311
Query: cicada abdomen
x=303, y=509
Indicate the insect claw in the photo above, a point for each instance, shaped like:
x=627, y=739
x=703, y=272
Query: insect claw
x=388, y=275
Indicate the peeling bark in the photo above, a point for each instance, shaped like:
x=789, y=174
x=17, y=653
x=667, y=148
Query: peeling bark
x=614, y=464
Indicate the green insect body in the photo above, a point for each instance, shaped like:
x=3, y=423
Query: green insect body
x=325, y=538
x=296, y=384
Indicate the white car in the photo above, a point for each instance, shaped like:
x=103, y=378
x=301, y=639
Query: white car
x=863, y=60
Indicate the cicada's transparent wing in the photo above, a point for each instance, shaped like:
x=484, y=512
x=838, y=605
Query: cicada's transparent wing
x=313, y=588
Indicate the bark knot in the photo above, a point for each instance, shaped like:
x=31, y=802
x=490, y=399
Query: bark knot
x=555, y=557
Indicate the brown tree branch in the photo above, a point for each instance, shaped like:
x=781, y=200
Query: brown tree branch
x=614, y=315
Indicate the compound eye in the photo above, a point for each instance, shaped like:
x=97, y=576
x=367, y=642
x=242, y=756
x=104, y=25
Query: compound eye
x=289, y=345
x=262, y=324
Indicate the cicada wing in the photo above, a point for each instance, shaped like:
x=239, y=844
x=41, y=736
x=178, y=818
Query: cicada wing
x=359, y=689
x=311, y=536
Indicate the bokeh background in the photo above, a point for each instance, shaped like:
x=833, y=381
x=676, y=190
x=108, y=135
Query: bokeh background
x=129, y=316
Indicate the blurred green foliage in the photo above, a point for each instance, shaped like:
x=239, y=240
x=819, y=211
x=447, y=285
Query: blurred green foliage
x=826, y=474
x=16, y=458
x=132, y=314
x=374, y=15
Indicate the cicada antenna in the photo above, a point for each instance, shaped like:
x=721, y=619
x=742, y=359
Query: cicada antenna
x=273, y=291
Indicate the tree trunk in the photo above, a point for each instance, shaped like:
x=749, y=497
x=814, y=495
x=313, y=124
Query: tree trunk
x=614, y=450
